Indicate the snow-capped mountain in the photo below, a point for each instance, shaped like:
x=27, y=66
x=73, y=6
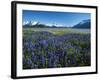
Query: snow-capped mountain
x=83, y=24
x=38, y=24
x=30, y=23
x=25, y=22
x=84, y=21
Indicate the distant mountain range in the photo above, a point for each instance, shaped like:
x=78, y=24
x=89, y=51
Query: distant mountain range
x=40, y=25
x=83, y=24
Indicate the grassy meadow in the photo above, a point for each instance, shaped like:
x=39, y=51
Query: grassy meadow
x=57, y=31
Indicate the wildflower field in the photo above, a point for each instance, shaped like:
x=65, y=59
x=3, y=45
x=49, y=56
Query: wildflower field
x=56, y=48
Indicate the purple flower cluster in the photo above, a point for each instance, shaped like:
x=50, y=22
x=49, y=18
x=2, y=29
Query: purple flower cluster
x=45, y=50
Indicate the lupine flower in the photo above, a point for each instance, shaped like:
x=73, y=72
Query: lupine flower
x=43, y=49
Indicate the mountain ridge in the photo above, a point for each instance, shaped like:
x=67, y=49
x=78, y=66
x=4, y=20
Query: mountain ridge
x=83, y=24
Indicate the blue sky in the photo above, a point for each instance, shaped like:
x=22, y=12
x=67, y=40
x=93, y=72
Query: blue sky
x=59, y=18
